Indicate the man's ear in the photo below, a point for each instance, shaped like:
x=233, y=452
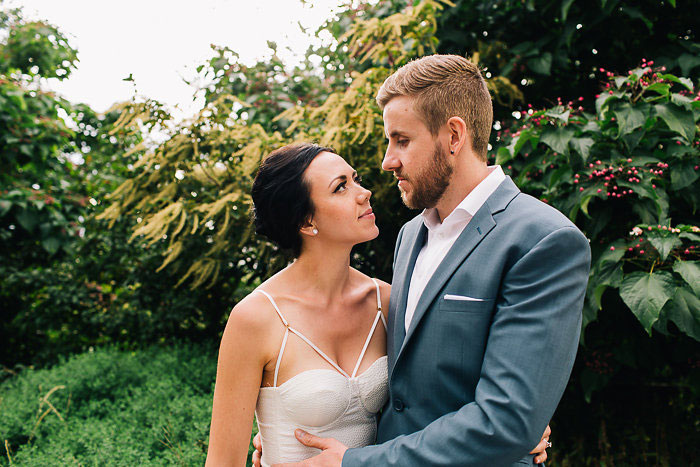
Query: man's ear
x=459, y=136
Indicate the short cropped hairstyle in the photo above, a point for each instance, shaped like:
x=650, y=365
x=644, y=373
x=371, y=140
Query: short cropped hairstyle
x=281, y=198
x=444, y=86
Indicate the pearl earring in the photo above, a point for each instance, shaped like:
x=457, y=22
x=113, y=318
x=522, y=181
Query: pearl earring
x=315, y=231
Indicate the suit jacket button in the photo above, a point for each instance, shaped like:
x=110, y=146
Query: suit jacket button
x=398, y=405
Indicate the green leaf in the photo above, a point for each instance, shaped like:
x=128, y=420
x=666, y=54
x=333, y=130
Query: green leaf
x=566, y=4
x=677, y=119
x=51, y=244
x=684, y=311
x=690, y=272
x=591, y=382
x=646, y=294
x=503, y=155
x=629, y=118
x=673, y=3
x=683, y=176
x=559, y=113
x=5, y=206
x=558, y=139
x=664, y=245
x=525, y=136
x=582, y=146
x=688, y=83
x=542, y=64
x=690, y=236
x=687, y=63
x=661, y=88
x=28, y=219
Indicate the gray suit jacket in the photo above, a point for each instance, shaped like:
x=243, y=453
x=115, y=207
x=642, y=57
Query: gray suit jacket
x=476, y=382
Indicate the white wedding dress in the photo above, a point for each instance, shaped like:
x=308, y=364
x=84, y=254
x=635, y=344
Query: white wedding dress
x=324, y=402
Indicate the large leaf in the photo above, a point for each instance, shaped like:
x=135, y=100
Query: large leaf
x=582, y=146
x=664, y=245
x=5, y=206
x=677, y=119
x=683, y=175
x=558, y=139
x=629, y=118
x=28, y=219
x=690, y=272
x=646, y=294
x=684, y=310
x=541, y=64
x=51, y=244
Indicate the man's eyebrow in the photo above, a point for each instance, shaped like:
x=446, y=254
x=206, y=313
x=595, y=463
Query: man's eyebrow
x=343, y=177
x=395, y=134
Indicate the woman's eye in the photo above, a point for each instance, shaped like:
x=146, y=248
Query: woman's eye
x=340, y=187
x=358, y=180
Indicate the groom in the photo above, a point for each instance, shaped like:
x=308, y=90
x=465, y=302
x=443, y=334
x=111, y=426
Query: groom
x=488, y=286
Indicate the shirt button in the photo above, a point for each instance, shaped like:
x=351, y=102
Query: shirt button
x=398, y=405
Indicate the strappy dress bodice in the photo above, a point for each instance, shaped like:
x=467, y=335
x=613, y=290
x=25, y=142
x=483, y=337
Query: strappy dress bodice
x=325, y=402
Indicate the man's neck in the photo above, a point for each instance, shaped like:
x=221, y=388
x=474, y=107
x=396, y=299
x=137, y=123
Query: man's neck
x=465, y=178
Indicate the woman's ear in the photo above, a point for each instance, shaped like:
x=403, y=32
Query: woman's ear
x=309, y=228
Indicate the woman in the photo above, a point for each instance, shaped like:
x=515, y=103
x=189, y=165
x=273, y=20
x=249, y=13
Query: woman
x=306, y=349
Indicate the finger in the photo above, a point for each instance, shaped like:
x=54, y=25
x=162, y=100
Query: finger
x=256, y=459
x=541, y=457
x=541, y=446
x=257, y=443
x=547, y=432
x=307, y=439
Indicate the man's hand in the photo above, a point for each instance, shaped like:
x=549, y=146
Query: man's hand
x=332, y=455
x=541, y=448
x=257, y=454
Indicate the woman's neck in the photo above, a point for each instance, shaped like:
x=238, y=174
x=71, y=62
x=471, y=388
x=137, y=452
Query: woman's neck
x=324, y=272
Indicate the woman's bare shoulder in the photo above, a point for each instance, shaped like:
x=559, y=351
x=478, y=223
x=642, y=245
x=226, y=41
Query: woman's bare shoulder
x=252, y=324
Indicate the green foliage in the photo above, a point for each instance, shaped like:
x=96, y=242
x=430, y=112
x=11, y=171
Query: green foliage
x=626, y=173
x=555, y=47
x=34, y=49
x=111, y=407
x=625, y=170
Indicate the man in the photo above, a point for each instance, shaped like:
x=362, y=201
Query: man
x=487, y=292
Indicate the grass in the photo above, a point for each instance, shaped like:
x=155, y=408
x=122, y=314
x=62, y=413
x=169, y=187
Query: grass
x=111, y=407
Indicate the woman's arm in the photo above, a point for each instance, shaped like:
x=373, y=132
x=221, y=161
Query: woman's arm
x=242, y=359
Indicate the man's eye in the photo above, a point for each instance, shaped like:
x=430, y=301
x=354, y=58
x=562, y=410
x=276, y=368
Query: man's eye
x=340, y=187
x=402, y=142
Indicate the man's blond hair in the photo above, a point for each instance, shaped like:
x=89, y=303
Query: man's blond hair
x=444, y=86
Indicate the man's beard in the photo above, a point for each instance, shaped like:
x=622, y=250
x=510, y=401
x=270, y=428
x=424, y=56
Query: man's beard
x=430, y=183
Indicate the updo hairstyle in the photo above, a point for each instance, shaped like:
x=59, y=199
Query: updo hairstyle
x=281, y=196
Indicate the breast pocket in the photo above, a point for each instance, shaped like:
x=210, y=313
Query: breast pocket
x=463, y=304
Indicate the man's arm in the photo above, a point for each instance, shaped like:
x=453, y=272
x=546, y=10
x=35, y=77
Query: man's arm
x=529, y=355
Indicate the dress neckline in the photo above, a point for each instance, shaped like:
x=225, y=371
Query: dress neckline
x=331, y=361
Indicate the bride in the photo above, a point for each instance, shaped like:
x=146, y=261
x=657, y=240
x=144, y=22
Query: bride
x=307, y=348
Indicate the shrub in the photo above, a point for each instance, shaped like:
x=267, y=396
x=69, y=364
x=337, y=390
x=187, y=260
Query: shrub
x=626, y=173
x=112, y=407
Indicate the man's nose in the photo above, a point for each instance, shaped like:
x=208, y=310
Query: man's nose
x=390, y=161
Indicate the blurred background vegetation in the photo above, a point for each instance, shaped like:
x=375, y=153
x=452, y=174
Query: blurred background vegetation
x=120, y=258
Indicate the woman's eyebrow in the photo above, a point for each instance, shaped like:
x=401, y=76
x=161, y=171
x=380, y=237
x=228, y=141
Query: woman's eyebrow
x=343, y=177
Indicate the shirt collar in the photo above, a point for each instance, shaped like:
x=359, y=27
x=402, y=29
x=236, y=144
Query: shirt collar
x=466, y=209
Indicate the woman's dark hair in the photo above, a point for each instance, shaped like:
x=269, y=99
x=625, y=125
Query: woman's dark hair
x=281, y=198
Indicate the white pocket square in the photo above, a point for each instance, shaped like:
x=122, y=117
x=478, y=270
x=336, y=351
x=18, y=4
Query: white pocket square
x=463, y=298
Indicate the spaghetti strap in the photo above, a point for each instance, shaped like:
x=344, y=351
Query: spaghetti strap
x=274, y=305
x=379, y=302
x=301, y=336
x=367, y=341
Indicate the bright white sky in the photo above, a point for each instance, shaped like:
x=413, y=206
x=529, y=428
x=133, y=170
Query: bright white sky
x=161, y=41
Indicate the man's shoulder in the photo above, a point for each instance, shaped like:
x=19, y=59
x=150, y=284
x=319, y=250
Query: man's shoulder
x=528, y=214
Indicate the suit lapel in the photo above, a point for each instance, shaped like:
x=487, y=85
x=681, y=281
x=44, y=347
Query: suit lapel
x=411, y=244
x=478, y=228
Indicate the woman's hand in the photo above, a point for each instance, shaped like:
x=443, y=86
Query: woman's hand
x=257, y=454
x=541, y=448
